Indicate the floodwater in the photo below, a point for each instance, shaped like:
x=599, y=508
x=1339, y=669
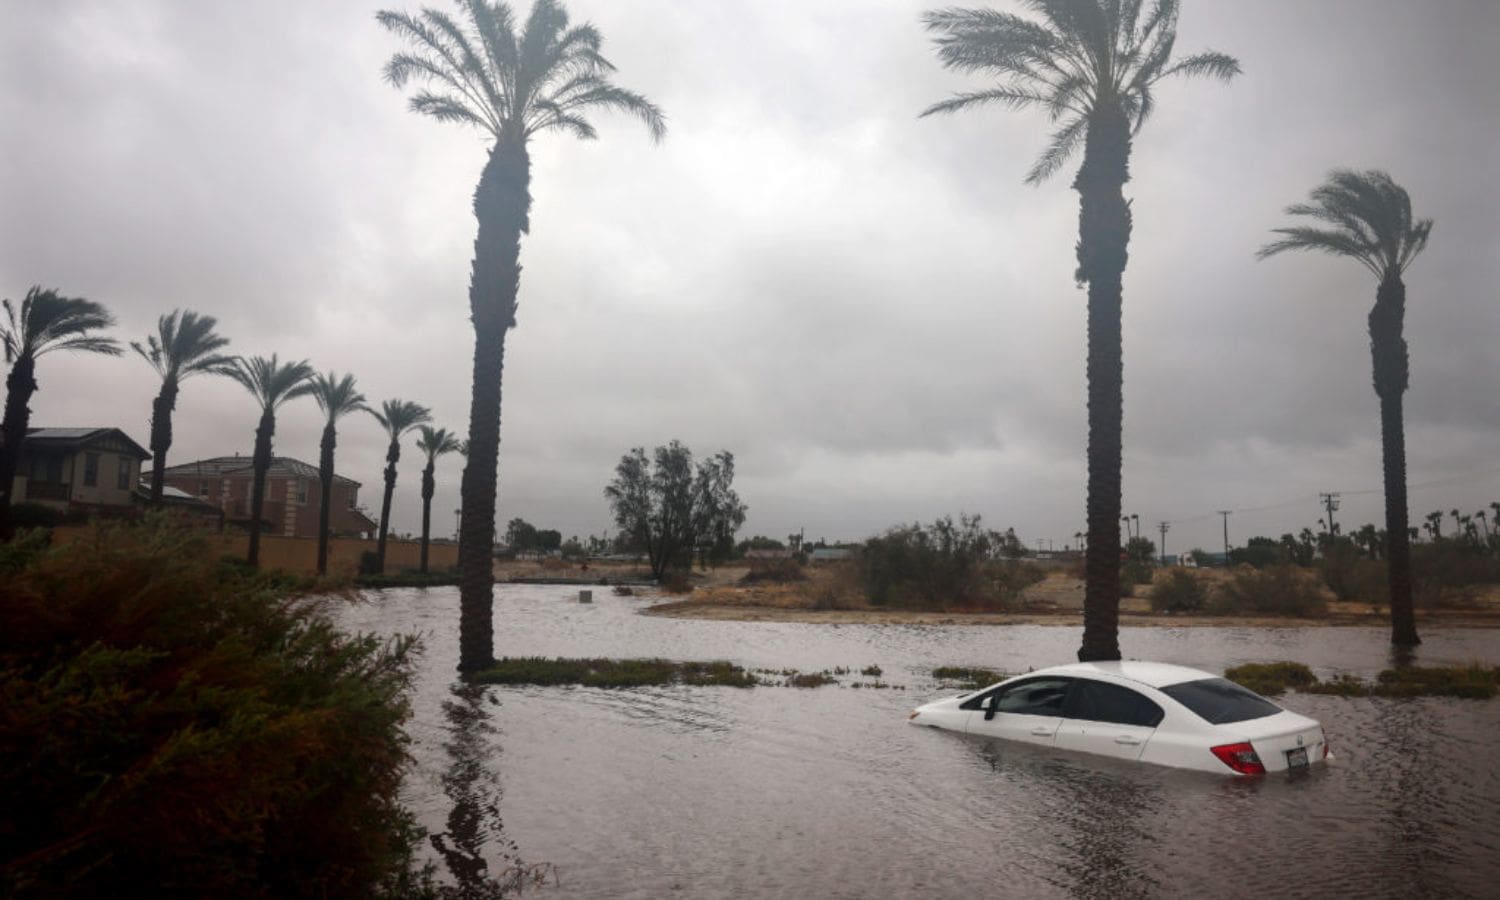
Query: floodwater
x=780, y=792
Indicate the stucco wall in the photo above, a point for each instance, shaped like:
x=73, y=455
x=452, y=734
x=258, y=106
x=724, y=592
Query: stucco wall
x=300, y=555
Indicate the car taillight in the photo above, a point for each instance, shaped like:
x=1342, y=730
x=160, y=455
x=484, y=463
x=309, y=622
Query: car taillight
x=1240, y=757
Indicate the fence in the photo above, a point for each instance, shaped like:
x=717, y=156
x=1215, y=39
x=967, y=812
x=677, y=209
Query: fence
x=299, y=555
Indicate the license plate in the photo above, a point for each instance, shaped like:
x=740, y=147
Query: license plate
x=1296, y=759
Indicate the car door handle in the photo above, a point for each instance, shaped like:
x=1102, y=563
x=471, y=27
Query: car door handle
x=1126, y=739
x=1042, y=731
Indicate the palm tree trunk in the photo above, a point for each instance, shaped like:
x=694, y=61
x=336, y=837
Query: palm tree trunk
x=260, y=464
x=161, y=435
x=429, y=485
x=1388, y=350
x=501, y=204
x=392, y=455
x=325, y=492
x=20, y=384
x=1103, y=238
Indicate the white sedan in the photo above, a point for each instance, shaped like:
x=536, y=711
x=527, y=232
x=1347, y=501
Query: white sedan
x=1152, y=712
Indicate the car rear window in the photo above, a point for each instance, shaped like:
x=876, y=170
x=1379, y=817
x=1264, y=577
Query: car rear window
x=1096, y=701
x=1218, y=701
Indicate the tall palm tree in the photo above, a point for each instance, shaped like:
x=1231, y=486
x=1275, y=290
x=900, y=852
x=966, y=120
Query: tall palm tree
x=272, y=383
x=1092, y=66
x=45, y=321
x=397, y=417
x=511, y=85
x=1366, y=217
x=434, y=442
x=184, y=345
x=337, y=397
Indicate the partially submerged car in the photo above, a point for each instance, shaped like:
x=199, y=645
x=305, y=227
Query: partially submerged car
x=1152, y=712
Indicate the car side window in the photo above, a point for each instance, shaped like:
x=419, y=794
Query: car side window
x=1097, y=701
x=1037, y=697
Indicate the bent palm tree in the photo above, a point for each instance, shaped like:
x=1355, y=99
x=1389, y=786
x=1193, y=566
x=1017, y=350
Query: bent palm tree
x=44, y=322
x=1092, y=65
x=337, y=397
x=512, y=86
x=272, y=383
x=184, y=345
x=434, y=442
x=1366, y=217
x=397, y=417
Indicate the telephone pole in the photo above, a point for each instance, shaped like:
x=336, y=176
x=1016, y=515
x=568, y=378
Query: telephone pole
x=1331, y=501
x=1164, y=526
x=1226, y=514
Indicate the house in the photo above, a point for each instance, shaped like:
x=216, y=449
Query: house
x=78, y=468
x=183, y=504
x=292, y=498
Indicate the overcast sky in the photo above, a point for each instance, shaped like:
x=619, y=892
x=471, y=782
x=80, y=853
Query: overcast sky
x=871, y=311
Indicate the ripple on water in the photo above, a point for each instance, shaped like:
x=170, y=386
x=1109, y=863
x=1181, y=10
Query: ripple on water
x=777, y=792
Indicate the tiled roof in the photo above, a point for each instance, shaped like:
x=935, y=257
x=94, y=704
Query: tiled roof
x=77, y=437
x=226, y=465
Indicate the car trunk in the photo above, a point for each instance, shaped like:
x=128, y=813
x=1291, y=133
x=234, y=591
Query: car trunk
x=1285, y=740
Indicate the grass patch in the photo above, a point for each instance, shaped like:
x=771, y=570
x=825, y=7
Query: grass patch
x=613, y=673
x=872, y=671
x=1270, y=679
x=810, y=680
x=971, y=677
x=1470, y=682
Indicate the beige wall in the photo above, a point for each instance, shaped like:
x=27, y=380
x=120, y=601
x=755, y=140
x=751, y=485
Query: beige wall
x=300, y=555
x=106, y=490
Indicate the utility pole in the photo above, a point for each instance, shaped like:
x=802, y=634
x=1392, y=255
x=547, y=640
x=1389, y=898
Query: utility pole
x=1137, y=519
x=1164, y=526
x=1226, y=513
x=1331, y=501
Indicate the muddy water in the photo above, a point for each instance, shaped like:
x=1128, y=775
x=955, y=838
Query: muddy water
x=778, y=792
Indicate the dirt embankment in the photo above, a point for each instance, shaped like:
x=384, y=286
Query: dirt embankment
x=827, y=598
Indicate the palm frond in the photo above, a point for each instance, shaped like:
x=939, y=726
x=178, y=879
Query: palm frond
x=1064, y=143
x=1369, y=217
x=1015, y=98
x=436, y=442
x=400, y=416
x=45, y=321
x=1210, y=63
x=337, y=395
x=1320, y=240
x=272, y=382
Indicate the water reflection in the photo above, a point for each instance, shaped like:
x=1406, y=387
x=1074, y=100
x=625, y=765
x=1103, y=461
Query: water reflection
x=471, y=782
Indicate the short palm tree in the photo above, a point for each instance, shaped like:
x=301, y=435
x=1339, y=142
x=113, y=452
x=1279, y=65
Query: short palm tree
x=1092, y=66
x=337, y=397
x=43, y=322
x=1366, y=217
x=184, y=345
x=397, y=417
x=434, y=442
x=272, y=383
x=511, y=85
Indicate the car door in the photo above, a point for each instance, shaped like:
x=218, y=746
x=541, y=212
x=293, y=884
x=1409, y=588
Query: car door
x=1107, y=719
x=1028, y=710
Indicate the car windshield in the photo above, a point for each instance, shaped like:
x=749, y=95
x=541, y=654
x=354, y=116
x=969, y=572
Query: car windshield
x=1218, y=701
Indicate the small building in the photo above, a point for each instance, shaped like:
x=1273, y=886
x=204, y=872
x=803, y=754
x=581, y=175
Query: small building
x=78, y=468
x=830, y=554
x=292, y=495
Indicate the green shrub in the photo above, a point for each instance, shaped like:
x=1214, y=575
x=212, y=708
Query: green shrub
x=1138, y=571
x=1179, y=591
x=946, y=565
x=37, y=515
x=174, y=727
x=1450, y=573
x=1471, y=682
x=1270, y=679
x=1276, y=590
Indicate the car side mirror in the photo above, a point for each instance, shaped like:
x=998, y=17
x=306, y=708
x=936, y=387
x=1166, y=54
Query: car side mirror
x=991, y=706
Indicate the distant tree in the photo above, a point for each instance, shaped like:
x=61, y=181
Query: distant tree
x=1260, y=552
x=512, y=85
x=45, y=321
x=548, y=540
x=1434, y=524
x=667, y=508
x=1092, y=66
x=184, y=345
x=397, y=417
x=573, y=549
x=757, y=542
x=1367, y=217
x=520, y=536
x=434, y=442
x=337, y=397
x=272, y=383
x=1140, y=550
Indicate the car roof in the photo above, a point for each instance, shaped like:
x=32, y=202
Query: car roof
x=1152, y=674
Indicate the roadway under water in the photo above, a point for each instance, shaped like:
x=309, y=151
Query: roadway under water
x=779, y=792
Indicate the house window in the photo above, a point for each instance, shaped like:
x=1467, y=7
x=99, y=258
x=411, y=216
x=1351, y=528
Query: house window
x=301, y=490
x=123, y=480
x=203, y=489
x=90, y=470
x=351, y=501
